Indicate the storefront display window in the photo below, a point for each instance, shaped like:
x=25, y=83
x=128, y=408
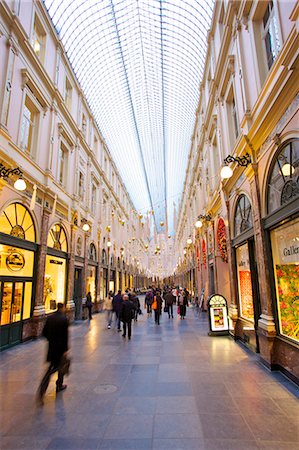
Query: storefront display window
x=55, y=279
x=91, y=282
x=16, y=262
x=285, y=251
x=244, y=282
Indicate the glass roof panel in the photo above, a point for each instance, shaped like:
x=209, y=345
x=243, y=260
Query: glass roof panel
x=140, y=63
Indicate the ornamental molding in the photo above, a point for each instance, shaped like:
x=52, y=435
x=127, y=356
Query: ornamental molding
x=275, y=135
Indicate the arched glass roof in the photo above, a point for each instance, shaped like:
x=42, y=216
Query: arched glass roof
x=140, y=63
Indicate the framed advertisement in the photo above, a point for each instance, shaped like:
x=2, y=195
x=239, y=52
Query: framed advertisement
x=218, y=315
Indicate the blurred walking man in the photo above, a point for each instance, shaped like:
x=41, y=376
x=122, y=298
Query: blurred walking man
x=56, y=332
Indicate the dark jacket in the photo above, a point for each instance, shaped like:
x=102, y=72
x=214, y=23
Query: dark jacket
x=159, y=303
x=169, y=299
x=56, y=331
x=127, y=311
x=88, y=301
x=117, y=303
x=136, y=302
x=149, y=298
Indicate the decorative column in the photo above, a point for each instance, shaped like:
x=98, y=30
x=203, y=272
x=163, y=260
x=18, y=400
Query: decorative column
x=233, y=309
x=70, y=305
x=266, y=324
x=39, y=311
x=98, y=289
x=85, y=267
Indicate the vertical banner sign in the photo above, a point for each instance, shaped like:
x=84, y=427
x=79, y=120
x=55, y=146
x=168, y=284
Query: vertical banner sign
x=218, y=315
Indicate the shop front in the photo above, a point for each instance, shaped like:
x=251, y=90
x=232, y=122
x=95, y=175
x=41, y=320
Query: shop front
x=247, y=277
x=91, y=278
x=104, y=276
x=56, y=268
x=17, y=262
x=282, y=229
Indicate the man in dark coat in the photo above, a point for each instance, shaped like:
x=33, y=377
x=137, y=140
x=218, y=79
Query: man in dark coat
x=117, y=304
x=88, y=305
x=56, y=332
x=169, y=301
x=127, y=313
x=158, y=307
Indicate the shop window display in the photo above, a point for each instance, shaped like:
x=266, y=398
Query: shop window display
x=285, y=251
x=244, y=282
x=54, y=285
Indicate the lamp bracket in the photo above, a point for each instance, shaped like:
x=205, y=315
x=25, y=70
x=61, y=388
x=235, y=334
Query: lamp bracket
x=243, y=161
x=5, y=172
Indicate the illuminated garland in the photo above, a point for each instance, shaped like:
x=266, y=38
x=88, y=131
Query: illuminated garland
x=221, y=240
x=204, y=253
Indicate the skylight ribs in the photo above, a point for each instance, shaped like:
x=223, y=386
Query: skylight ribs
x=140, y=63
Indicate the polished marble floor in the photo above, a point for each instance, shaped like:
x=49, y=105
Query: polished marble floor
x=170, y=387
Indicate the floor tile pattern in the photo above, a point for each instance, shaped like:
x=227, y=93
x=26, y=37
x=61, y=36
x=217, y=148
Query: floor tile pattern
x=172, y=387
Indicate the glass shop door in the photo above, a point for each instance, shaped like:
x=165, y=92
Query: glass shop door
x=12, y=297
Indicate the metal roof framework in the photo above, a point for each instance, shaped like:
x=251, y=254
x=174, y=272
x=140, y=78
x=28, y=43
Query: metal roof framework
x=140, y=64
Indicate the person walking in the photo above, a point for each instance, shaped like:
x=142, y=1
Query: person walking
x=157, y=307
x=136, y=302
x=109, y=308
x=56, y=332
x=127, y=313
x=169, y=301
x=117, y=304
x=88, y=305
x=148, y=302
x=182, y=303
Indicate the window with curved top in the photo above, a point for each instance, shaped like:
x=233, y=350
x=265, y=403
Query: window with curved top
x=57, y=238
x=16, y=221
x=243, y=215
x=283, y=184
x=92, y=252
x=104, y=257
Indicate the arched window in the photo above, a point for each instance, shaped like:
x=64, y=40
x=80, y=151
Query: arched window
x=104, y=257
x=283, y=184
x=57, y=238
x=243, y=215
x=16, y=221
x=92, y=252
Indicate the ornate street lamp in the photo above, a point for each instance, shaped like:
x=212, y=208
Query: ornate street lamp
x=243, y=161
x=201, y=217
x=5, y=172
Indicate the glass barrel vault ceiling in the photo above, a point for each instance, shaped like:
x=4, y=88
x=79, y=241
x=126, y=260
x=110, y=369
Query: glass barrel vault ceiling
x=140, y=63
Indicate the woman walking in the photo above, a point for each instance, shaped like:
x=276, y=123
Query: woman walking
x=182, y=304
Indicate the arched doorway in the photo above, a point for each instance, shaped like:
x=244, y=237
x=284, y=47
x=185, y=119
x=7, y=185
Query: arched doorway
x=55, y=270
x=17, y=262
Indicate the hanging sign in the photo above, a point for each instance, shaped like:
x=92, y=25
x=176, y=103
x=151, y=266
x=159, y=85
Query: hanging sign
x=218, y=315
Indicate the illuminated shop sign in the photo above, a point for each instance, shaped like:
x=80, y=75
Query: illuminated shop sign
x=15, y=261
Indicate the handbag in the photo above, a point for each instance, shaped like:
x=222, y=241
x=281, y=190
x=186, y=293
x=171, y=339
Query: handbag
x=166, y=308
x=65, y=363
x=155, y=304
x=179, y=310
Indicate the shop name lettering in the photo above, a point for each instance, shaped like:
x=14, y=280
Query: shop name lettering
x=291, y=251
x=53, y=261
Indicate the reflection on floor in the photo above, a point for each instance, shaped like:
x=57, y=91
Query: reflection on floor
x=170, y=387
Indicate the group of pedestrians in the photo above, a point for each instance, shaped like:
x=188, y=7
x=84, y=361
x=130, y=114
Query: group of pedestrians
x=172, y=296
x=125, y=307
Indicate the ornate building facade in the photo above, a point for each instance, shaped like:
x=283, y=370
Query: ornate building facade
x=245, y=241
x=73, y=229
